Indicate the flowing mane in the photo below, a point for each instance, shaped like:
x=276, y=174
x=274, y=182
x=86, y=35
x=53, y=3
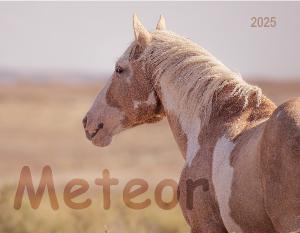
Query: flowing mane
x=193, y=73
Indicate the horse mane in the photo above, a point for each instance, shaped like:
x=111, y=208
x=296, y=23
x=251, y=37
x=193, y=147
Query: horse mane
x=193, y=73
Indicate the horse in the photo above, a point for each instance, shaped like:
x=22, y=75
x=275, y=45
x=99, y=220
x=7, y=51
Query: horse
x=228, y=131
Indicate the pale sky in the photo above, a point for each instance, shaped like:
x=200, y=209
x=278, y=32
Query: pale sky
x=90, y=36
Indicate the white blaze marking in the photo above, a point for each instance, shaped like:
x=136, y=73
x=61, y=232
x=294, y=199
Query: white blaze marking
x=150, y=101
x=112, y=116
x=222, y=177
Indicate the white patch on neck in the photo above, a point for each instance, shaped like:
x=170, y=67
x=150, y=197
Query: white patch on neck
x=222, y=177
x=191, y=125
x=150, y=101
x=192, y=131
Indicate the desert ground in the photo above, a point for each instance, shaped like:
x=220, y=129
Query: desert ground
x=40, y=124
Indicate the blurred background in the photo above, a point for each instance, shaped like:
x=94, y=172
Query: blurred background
x=55, y=57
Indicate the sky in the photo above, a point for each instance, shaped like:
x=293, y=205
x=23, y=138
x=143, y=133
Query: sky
x=90, y=36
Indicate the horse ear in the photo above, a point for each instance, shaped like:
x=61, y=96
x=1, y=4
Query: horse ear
x=142, y=36
x=161, y=25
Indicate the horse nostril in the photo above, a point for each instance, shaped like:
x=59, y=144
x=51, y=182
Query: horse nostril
x=100, y=126
x=84, y=121
x=90, y=136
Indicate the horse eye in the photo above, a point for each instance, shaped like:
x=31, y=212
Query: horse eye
x=119, y=69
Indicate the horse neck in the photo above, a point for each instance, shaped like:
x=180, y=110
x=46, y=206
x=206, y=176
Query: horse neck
x=191, y=125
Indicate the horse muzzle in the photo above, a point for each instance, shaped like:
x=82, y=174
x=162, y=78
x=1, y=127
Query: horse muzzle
x=98, y=135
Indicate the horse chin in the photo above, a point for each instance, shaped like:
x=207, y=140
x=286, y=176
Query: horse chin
x=103, y=141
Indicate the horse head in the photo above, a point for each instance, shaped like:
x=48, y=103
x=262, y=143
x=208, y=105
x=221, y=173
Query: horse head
x=128, y=99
